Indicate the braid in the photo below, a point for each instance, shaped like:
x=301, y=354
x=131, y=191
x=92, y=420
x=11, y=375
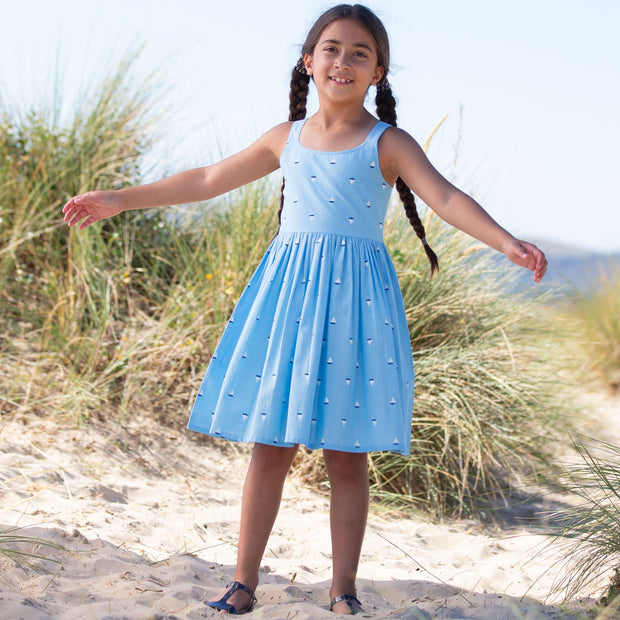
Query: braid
x=298, y=97
x=386, y=111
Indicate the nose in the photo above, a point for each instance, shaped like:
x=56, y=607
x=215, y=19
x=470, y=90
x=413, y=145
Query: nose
x=343, y=60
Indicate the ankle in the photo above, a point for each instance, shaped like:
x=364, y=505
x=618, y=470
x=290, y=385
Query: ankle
x=336, y=590
x=247, y=580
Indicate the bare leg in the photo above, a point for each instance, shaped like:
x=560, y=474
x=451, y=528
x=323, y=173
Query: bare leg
x=262, y=493
x=348, y=476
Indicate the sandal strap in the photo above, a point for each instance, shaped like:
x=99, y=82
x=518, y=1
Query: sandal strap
x=237, y=585
x=224, y=605
x=349, y=599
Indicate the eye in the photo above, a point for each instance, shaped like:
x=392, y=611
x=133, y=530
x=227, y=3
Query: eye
x=362, y=54
x=330, y=49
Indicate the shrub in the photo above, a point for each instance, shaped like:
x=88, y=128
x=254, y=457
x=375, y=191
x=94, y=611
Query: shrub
x=589, y=531
x=595, y=315
x=122, y=317
x=486, y=398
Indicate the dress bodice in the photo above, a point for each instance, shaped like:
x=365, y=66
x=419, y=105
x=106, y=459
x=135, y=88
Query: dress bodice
x=340, y=192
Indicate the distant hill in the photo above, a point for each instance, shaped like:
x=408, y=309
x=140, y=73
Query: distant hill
x=573, y=268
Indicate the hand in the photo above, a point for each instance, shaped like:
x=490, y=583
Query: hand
x=91, y=207
x=527, y=255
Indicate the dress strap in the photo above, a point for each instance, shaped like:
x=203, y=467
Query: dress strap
x=376, y=132
x=296, y=130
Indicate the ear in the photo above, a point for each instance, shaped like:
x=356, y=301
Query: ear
x=378, y=76
x=308, y=63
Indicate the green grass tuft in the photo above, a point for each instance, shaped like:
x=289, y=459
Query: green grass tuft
x=487, y=400
x=595, y=316
x=122, y=317
x=589, y=532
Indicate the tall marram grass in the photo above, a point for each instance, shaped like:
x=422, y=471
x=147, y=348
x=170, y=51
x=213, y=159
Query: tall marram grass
x=120, y=319
x=595, y=316
x=589, y=531
x=61, y=290
x=486, y=398
x=121, y=316
x=24, y=550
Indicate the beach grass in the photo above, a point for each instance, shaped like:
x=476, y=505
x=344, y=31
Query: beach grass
x=589, y=530
x=121, y=318
x=595, y=317
x=26, y=551
x=488, y=403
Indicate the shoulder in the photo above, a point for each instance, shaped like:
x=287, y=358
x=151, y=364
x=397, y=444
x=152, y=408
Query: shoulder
x=263, y=155
x=395, y=147
x=394, y=139
x=275, y=139
x=281, y=129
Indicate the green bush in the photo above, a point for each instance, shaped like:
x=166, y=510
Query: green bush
x=589, y=531
x=486, y=397
x=121, y=318
x=595, y=316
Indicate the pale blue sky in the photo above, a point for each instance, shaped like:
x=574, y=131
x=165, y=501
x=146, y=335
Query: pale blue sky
x=539, y=142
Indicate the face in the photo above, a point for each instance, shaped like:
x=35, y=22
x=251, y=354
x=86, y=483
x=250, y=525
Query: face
x=344, y=61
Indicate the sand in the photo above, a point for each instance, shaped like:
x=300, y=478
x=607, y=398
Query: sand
x=146, y=519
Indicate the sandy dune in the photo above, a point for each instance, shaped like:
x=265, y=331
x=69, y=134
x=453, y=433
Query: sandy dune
x=148, y=521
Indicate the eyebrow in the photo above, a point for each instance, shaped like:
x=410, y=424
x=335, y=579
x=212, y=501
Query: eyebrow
x=336, y=42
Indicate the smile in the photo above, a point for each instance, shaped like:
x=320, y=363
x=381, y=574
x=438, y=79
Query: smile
x=340, y=80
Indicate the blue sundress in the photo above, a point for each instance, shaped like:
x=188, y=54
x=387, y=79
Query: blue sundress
x=317, y=351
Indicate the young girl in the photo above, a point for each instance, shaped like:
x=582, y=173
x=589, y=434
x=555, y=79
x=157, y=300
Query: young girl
x=317, y=351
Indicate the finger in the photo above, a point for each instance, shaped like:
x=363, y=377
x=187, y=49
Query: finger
x=73, y=210
x=537, y=258
x=67, y=207
x=69, y=213
x=523, y=249
x=541, y=261
x=72, y=217
x=527, y=260
x=70, y=206
x=77, y=202
x=87, y=222
x=77, y=216
x=540, y=271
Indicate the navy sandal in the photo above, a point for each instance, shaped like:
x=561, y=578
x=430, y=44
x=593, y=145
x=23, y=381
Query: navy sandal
x=222, y=604
x=350, y=600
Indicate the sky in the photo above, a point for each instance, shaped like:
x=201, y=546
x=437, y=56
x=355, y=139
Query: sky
x=530, y=88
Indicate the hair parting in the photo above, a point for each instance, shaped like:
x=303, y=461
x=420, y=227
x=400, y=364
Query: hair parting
x=384, y=100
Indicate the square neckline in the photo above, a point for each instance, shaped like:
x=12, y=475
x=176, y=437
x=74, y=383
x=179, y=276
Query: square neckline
x=353, y=148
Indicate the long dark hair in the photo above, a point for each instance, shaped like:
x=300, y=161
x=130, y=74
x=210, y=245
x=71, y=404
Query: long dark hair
x=384, y=100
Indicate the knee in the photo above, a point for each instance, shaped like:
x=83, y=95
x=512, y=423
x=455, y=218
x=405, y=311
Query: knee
x=346, y=466
x=267, y=459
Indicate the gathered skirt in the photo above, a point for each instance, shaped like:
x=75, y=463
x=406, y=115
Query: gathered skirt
x=317, y=351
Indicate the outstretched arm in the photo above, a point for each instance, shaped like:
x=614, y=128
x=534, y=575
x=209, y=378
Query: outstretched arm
x=403, y=157
x=256, y=161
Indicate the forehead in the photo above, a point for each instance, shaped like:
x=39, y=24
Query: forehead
x=348, y=31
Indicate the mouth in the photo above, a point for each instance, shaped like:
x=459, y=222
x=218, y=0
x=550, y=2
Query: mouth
x=340, y=80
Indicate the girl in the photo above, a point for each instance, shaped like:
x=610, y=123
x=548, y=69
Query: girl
x=317, y=351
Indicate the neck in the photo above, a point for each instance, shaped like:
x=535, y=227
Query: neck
x=334, y=116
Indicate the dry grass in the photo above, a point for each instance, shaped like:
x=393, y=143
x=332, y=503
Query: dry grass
x=589, y=531
x=122, y=317
x=487, y=400
x=595, y=316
